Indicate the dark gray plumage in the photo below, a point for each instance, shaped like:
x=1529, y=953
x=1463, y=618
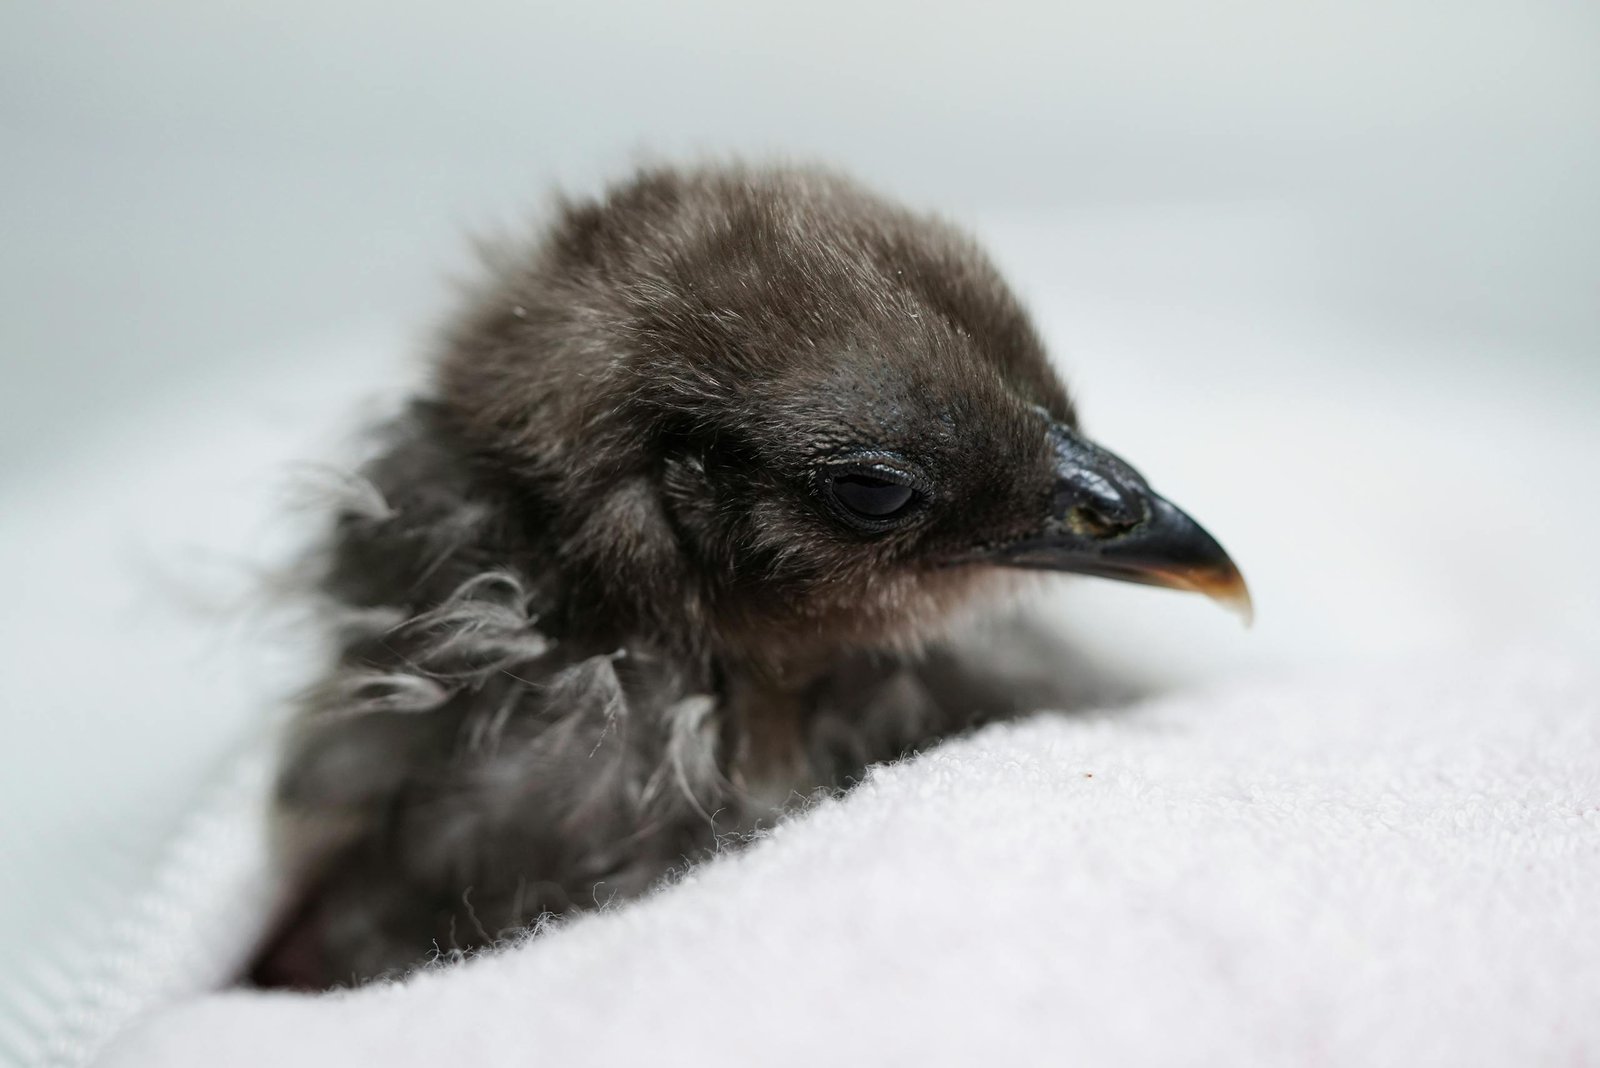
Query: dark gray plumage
x=702, y=479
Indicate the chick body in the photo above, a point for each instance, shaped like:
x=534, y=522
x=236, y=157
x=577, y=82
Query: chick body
x=671, y=541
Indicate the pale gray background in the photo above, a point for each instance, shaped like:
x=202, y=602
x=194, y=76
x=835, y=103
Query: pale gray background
x=187, y=180
x=1310, y=215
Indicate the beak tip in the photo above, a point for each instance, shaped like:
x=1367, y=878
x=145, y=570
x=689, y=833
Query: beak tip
x=1243, y=607
x=1232, y=593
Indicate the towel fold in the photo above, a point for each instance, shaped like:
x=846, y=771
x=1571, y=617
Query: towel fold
x=1395, y=868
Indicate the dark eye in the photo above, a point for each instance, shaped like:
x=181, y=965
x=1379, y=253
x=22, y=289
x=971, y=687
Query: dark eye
x=870, y=497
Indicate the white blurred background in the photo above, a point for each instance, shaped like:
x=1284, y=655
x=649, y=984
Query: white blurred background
x=1329, y=272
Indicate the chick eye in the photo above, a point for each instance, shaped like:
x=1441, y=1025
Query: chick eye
x=870, y=497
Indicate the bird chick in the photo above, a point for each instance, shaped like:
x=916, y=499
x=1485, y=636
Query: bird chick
x=672, y=540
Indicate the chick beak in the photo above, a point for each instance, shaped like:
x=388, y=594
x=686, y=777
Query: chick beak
x=1105, y=520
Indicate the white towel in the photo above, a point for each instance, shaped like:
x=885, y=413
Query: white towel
x=1399, y=868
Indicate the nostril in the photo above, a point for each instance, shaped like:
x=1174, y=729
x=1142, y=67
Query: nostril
x=1093, y=505
x=1096, y=494
x=1089, y=522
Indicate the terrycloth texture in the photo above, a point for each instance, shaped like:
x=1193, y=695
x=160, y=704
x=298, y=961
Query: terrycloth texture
x=187, y=932
x=1394, y=869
